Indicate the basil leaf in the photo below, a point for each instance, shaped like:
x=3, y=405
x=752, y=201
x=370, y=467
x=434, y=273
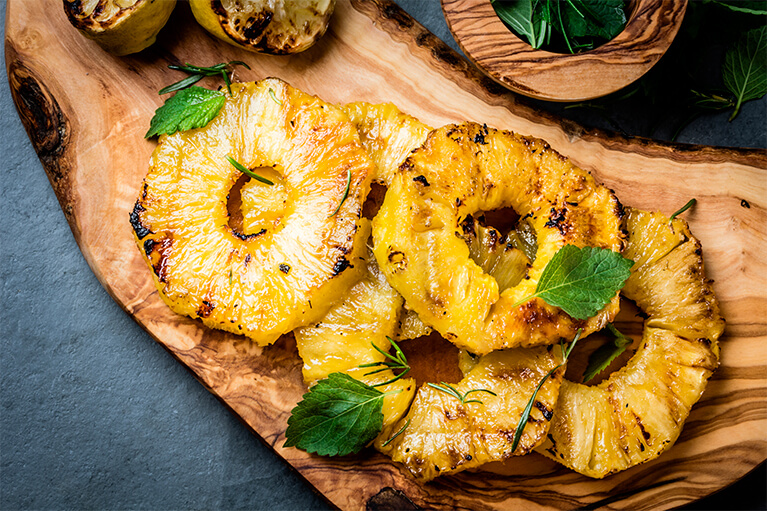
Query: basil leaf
x=338, y=416
x=745, y=67
x=605, y=354
x=190, y=108
x=581, y=281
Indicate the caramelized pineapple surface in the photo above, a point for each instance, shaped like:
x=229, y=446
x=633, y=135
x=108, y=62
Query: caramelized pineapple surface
x=441, y=435
x=639, y=411
x=459, y=171
x=266, y=283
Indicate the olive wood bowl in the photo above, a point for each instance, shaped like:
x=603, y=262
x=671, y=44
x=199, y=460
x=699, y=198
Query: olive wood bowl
x=651, y=27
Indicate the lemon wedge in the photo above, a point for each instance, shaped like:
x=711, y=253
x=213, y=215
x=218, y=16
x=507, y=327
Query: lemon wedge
x=277, y=27
x=120, y=27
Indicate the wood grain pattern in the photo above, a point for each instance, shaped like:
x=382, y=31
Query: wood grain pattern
x=86, y=113
x=512, y=62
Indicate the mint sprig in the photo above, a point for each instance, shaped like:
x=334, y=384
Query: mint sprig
x=581, y=281
x=605, y=354
x=190, y=108
x=338, y=416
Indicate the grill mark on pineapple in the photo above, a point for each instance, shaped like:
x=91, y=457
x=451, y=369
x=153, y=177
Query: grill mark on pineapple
x=342, y=263
x=246, y=237
x=206, y=308
x=547, y=413
x=141, y=230
x=160, y=260
x=559, y=221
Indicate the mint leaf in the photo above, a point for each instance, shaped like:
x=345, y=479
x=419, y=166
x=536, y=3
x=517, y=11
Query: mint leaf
x=758, y=7
x=745, y=67
x=518, y=15
x=594, y=18
x=605, y=354
x=190, y=108
x=338, y=416
x=581, y=281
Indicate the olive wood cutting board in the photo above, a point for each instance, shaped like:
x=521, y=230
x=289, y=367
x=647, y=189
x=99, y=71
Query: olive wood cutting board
x=86, y=113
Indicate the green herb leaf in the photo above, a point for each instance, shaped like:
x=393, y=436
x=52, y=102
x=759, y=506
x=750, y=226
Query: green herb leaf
x=745, y=67
x=452, y=391
x=190, y=108
x=604, y=19
x=397, y=361
x=338, y=416
x=274, y=96
x=581, y=281
x=197, y=73
x=526, y=412
x=690, y=203
x=346, y=192
x=245, y=170
x=518, y=15
x=746, y=6
x=605, y=354
x=398, y=433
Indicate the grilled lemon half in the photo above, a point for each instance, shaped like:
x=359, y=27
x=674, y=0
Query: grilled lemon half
x=120, y=27
x=288, y=274
x=277, y=27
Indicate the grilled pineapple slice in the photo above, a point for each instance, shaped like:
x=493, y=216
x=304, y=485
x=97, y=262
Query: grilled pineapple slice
x=639, y=411
x=459, y=171
x=266, y=283
x=277, y=27
x=388, y=135
x=441, y=435
x=343, y=340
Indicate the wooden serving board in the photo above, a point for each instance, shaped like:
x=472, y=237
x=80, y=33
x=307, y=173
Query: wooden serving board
x=86, y=112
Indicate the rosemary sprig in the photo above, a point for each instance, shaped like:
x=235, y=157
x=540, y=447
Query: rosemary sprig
x=398, y=433
x=245, y=170
x=274, y=96
x=346, y=192
x=452, y=391
x=690, y=203
x=197, y=73
x=526, y=412
x=398, y=361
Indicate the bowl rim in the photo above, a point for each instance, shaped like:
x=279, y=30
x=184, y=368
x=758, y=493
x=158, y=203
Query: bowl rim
x=650, y=29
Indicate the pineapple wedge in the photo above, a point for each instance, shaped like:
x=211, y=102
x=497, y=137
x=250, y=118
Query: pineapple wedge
x=639, y=411
x=343, y=340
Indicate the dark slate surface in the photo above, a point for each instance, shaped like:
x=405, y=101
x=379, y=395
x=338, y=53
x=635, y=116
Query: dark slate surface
x=95, y=415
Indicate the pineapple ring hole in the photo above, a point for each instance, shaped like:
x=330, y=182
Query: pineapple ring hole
x=254, y=206
x=630, y=322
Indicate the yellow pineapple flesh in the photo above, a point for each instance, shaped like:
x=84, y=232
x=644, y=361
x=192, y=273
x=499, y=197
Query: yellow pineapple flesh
x=441, y=435
x=464, y=169
x=639, y=411
x=342, y=341
x=289, y=273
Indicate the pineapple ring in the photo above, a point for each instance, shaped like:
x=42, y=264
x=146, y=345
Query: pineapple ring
x=638, y=412
x=268, y=283
x=459, y=171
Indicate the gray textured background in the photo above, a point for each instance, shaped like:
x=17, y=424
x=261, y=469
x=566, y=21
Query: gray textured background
x=95, y=415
